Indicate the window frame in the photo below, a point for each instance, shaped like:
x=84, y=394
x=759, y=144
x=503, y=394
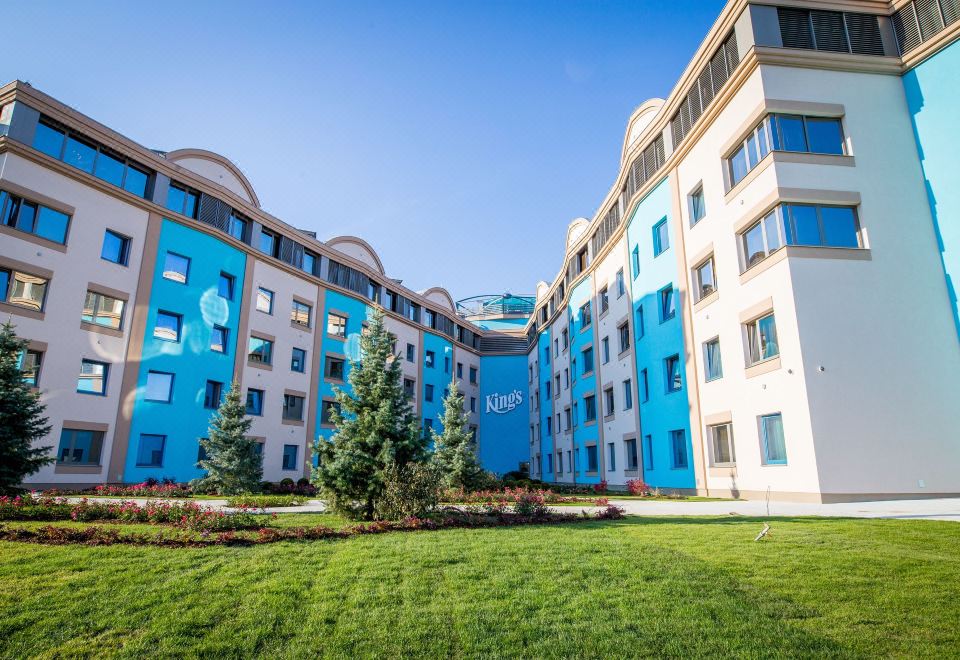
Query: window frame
x=170, y=386
x=712, y=441
x=104, y=378
x=125, y=243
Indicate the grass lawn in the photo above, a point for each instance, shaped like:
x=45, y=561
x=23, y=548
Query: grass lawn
x=639, y=586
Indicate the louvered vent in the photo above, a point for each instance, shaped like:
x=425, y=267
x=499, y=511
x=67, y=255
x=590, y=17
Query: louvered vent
x=951, y=11
x=864, y=33
x=285, y=254
x=908, y=32
x=659, y=153
x=213, y=212
x=829, y=32
x=732, y=53
x=795, y=30
x=928, y=15
x=718, y=71
x=705, y=83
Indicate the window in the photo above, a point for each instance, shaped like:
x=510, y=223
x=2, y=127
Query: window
x=429, y=318
x=411, y=353
x=568, y=419
x=587, y=361
x=556, y=387
x=546, y=355
x=298, y=360
x=30, y=364
x=565, y=336
x=671, y=370
x=721, y=444
x=585, y=316
x=326, y=410
x=300, y=314
x=176, y=267
x=225, y=286
x=611, y=457
x=264, y=300
x=309, y=264
x=218, y=339
x=260, y=350
x=621, y=288
x=678, y=450
x=333, y=368
x=609, y=402
x=473, y=375
x=93, y=377
x=698, y=206
x=254, y=402
x=116, y=248
x=550, y=463
x=269, y=242
x=647, y=452
x=630, y=450
x=429, y=358
x=80, y=447
x=473, y=404
x=167, y=327
x=559, y=462
x=592, y=463
x=623, y=331
x=213, y=394
x=605, y=349
x=818, y=135
x=32, y=218
x=293, y=407
x=102, y=310
x=713, y=367
x=556, y=347
x=446, y=364
x=627, y=394
x=668, y=305
x=661, y=238
x=566, y=378
x=150, y=451
x=237, y=227
x=705, y=282
x=182, y=200
x=408, y=387
x=589, y=408
x=337, y=326
x=640, y=327
x=762, y=339
x=774, y=445
x=159, y=387
x=289, y=457
x=644, y=386
x=604, y=300
x=635, y=261
x=800, y=224
x=428, y=392
x=22, y=289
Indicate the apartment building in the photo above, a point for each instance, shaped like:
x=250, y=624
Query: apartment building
x=762, y=303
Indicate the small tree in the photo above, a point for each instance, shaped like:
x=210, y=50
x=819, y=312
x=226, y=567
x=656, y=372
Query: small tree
x=376, y=429
x=21, y=416
x=453, y=452
x=232, y=465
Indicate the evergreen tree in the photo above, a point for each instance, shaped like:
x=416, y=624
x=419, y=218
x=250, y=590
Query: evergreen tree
x=21, y=416
x=375, y=429
x=453, y=450
x=232, y=465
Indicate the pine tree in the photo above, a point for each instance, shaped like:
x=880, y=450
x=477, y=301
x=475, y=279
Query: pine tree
x=453, y=451
x=375, y=429
x=232, y=465
x=21, y=416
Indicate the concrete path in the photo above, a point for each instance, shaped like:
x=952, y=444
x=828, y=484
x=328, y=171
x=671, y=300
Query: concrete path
x=934, y=509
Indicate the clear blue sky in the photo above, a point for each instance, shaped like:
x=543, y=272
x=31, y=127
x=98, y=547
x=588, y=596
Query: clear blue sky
x=459, y=138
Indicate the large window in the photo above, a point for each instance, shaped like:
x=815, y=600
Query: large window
x=168, y=326
x=289, y=457
x=182, y=200
x=32, y=218
x=592, y=462
x=762, y=339
x=103, y=310
x=159, y=387
x=93, y=377
x=300, y=314
x=334, y=368
x=22, y=289
x=818, y=135
x=706, y=282
x=713, y=367
x=116, y=248
x=337, y=326
x=678, y=450
x=672, y=375
x=254, y=402
x=720, y=437
x=774, y=445
x=630, y=451
x=260, y=350
x=661, y=238
x=293, y=407
x=150, y=451
x=800, y=224
x=80, y=447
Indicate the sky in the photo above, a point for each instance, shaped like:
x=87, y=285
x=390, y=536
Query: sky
x=460, y=139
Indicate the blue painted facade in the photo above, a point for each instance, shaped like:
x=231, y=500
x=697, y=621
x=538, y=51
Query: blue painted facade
x=184, y=420
x=437, y=376
x=546, y=409
x=583, y=381
x=658, y=339
x=504, y=413
x=933, y=96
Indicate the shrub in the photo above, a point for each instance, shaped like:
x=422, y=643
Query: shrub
x=148, y=488
x=601, y=501
x=264, y=501
x=409, y=491
x=531, y=504
x=611, y=512
x=600, y=487
x=637, y=487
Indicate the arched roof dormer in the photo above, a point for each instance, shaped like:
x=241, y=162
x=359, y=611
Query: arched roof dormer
x=359, y=249
x=216, y=168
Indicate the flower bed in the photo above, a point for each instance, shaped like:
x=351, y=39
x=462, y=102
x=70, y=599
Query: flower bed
x=447, y=519
x=186, y=515
x=264, y=501
x=511, y=496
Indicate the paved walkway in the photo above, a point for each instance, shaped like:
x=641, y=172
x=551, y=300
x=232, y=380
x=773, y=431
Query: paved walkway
x=934, y=509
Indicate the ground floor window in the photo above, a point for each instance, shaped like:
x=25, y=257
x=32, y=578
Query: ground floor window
x=774, y=444
x=678, y=449
x=80, y=447
x=721, y=444
x=290, y=457
x=150, y=451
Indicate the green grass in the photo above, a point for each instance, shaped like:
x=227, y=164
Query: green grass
x=639, y=586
